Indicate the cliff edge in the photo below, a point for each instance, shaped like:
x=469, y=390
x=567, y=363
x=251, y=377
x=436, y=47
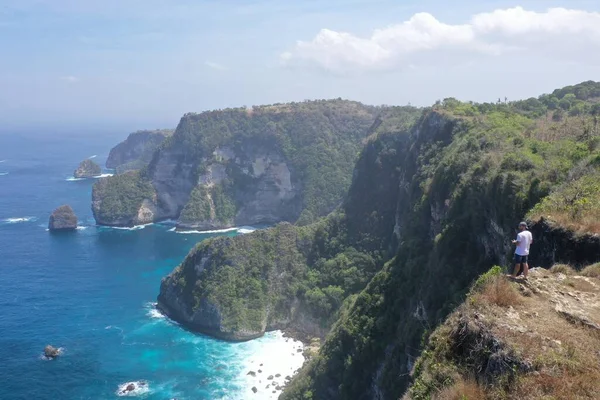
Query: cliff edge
x=517, y=339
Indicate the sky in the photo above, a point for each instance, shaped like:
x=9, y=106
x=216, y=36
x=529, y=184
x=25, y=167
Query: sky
x=137, y=64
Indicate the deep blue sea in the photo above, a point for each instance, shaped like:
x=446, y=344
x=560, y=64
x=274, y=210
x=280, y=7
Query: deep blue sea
x=92, y=293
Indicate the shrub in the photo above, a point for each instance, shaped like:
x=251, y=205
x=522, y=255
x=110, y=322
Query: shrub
x=592, y=271
x=562, y=269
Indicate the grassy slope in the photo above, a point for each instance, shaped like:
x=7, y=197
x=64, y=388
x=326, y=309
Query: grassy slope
x=526, y=340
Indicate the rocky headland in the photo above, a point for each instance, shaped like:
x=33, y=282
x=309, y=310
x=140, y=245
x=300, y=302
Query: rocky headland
x=63, y=219
x=136, y=151
x=87, y=169
x=245, y=166
x=432, y=206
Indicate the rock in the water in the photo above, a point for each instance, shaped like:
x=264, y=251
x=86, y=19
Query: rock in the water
x=251, y=373
x=254, y=389
x=87, y=169
x=51, y=352
x=63, y=219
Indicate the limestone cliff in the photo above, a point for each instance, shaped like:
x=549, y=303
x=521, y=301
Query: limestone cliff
x=87, y=169
x=283, y=162
x=237, y=288
x=137, y=150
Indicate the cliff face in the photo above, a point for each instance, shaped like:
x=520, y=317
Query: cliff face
x=432, y=206
x=267, y=164
x=236, y=288
x=136, y=151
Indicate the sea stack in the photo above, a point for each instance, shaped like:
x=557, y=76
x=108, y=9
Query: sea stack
x=63, y=219
x=87, y=169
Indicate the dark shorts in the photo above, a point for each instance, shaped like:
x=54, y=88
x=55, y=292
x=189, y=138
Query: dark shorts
x=520, y=259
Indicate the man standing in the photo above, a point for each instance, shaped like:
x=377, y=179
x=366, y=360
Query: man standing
x=524, y=240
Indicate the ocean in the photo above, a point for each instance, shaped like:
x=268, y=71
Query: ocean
x=92, y=293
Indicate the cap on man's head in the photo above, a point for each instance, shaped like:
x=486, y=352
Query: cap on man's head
x=523, y=223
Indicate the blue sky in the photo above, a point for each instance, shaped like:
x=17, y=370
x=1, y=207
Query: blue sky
x=128, y=64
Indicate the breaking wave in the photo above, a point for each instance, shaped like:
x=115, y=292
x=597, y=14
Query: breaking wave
x=17, y=220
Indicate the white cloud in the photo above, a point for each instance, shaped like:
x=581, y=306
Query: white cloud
x=216, y=66
x=70, y=79
x=422, y=36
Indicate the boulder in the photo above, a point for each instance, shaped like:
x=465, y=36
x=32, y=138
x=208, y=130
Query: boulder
x=51, y=352
x=254, y=389
x=87, y=169
x=63, y=219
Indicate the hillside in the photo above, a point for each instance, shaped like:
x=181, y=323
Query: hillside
x=283, y=162
x=432, y=205
x=517, y=340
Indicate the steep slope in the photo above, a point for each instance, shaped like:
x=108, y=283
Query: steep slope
x=516, y=340
x=456, y=215
x=137, y=150
x=293, y=277
x=283, y=162
x=430, y=208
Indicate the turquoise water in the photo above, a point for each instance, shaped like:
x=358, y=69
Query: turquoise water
x=92, y=293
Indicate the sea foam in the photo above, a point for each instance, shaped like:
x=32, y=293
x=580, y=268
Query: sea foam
x=278, y=355
x=17, y=220
x=141, y=387
x=73, y=179
x=243, y=229
x=3, y=173
x=153, y=311
x=128, y=228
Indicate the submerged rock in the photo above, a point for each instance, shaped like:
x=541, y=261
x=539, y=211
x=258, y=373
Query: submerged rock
x=63, y=219
x=87, y=169
x=51, y=352
x=133, y=388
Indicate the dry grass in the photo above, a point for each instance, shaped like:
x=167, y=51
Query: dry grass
x=592, y=271
x=580, y=284
x=584, y=225
x=461, y=390
x=562, y=269
x=499, y=291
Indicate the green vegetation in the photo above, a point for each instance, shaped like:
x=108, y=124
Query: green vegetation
x=319, y=140
x=575, y=205
x=137, y=150
x=209, y=203
x=473, y=171
x=121, y=197
x=432, y=205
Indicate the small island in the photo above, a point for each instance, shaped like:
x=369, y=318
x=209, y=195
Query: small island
x=63, y=219
x=87, y=169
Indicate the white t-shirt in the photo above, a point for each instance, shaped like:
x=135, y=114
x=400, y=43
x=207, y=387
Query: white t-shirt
x=524, y=238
